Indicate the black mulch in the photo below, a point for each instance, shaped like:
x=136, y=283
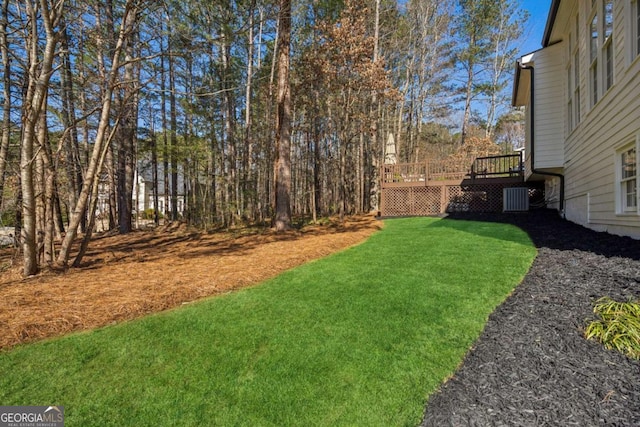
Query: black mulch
x=531, y=366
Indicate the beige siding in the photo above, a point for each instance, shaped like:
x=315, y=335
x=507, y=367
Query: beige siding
x=550, y=102
x=590, y=150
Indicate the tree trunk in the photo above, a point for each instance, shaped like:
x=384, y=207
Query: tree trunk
x=468, y=93
x=74, y=162
x=283, y=122
x=126, y=137
x=165, y=124
x=248, y=181
x=317, y=159
x=6, y=91
x=173, y=132
x=111, y=187
x=232, y=188
x=92, y=208
x=49, y=199
x=373, y=111
x=84, y=148
x=154, y=170
x=40, y=70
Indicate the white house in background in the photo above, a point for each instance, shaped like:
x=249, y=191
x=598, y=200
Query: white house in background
x=143, y=196
x=581, y=91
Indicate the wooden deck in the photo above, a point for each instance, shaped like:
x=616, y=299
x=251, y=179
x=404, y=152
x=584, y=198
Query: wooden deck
x=508, y=168
x=434, y=188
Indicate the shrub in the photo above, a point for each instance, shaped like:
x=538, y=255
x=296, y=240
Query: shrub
x=148, y=214
x=618, y=327
x=8, y=218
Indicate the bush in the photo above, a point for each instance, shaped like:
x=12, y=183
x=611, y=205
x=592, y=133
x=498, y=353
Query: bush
x=148, y=214
x=8, y=218
x=619, y=326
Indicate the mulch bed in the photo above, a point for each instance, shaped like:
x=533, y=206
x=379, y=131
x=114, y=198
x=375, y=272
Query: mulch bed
x=531, y=365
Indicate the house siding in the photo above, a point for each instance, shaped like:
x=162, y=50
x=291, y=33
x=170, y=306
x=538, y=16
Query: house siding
x=549, y=107
x=590, y=150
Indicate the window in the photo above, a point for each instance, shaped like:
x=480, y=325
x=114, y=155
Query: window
x=601, y=67
x=627, y=174
x=593, y=57
x=628, y=181
x=573, y=79
x=635, y=29
x=607, y=47
x=570, y=118
x=607, y=12
x=576, y=85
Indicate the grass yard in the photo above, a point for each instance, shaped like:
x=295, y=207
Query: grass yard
x=358, y=338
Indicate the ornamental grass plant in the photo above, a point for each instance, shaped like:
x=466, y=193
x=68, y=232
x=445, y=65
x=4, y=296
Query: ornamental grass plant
x=618, y=326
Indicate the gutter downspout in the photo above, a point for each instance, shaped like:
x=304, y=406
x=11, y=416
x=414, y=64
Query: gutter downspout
x=533, y=169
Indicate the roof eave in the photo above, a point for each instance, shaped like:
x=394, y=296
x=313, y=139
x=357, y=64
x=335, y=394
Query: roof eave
x=516, y=85
x=551, y=19
x=519, y=95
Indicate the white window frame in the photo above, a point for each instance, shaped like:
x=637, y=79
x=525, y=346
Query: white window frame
x=636, y=27
x=623, y=207
x=633, y=32
x=571, y=124
x=576, y=87
x=607, y=46
x=573, y=78
x=600, y=49
x=593, y=33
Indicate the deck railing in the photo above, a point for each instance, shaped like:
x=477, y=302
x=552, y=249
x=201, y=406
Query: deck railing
x=404, y=172
x=411, y=174
x=509, y=165
x=416, y=173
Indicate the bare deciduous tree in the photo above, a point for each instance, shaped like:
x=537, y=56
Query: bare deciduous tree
x=39, y=75
x=102, y=140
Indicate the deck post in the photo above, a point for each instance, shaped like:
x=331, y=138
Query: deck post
x=444, y=196
x=427, y=173
x=382, y=201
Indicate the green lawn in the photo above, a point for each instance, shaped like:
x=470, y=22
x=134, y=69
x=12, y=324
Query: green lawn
x=359, y=338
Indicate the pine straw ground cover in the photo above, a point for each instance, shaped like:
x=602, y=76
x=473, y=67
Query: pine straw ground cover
x=126, y=277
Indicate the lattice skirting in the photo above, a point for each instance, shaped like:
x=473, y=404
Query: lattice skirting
x=410, y=201
x=405, y=201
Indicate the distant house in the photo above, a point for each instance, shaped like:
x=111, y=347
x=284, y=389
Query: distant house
x=581, y=92
x=143, y=194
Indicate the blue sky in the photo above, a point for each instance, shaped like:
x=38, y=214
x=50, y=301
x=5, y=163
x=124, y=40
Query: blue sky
x=538, y=9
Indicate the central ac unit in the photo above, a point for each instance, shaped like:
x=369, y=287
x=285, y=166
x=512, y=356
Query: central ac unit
x=515, y=199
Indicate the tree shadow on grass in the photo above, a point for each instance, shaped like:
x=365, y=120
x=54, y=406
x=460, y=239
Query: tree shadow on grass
x=547, y=229
x=482, y=229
